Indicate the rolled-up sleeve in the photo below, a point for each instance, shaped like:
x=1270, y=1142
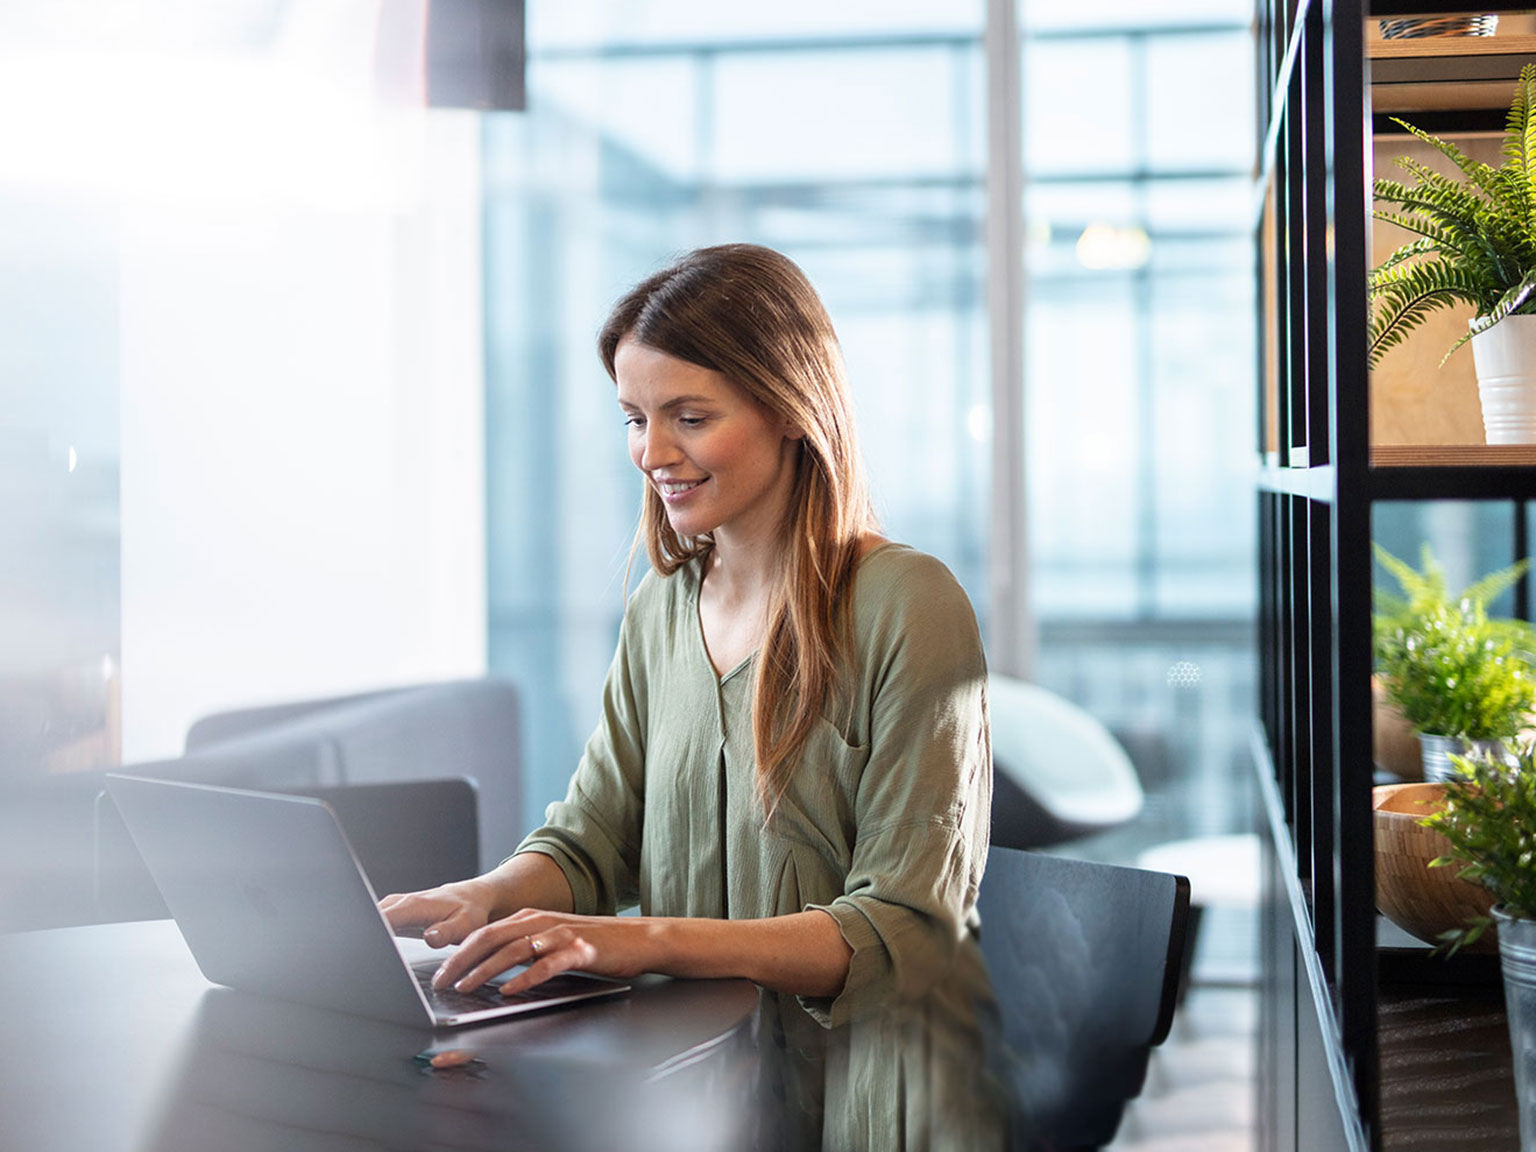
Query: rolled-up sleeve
x=593, y=835
x=922, y=808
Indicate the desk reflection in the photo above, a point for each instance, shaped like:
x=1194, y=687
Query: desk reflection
x=258, y=1074
x=111, y=1041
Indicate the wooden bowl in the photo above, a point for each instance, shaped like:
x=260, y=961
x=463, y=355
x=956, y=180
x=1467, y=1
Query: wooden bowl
x=1421, y=900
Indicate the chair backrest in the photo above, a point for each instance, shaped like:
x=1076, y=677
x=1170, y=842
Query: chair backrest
x=1059, y=773
x=1085, y=960
x=460, y=728
x=407, y=835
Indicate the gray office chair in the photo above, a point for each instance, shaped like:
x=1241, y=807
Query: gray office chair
x=51, y=830
x=1058, y=774
x=406, y=834
x=1085, y=960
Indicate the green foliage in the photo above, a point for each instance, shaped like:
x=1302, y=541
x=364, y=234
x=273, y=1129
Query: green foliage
x=1424, y=587
x=1477, y=236
x=1489, y=818
x=1450, y=668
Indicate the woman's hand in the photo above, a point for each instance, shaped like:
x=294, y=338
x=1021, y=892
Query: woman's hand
x=444, y=915
x=448, y=914
x=551, y=943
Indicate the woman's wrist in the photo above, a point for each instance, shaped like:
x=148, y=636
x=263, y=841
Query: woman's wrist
x=487, y=891
x=526, y=880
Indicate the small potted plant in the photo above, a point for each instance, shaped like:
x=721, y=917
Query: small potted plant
x=1488, y=815
x=1476, y=244
x=1460, y=677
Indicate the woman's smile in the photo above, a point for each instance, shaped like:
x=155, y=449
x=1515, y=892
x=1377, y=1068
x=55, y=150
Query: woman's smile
x=676, y=491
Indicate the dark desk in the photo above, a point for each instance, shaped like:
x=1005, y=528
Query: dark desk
x=112, y=1041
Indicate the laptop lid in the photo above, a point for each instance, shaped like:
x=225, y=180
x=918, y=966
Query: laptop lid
x=271, y=900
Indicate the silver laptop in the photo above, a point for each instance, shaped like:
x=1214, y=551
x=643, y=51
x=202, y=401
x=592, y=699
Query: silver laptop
x=271, y=900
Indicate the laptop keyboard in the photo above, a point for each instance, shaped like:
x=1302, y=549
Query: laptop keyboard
x=453, y=1003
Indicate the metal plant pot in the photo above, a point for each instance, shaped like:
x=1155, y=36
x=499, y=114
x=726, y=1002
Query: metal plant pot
x=1517, y=955
x=1437, y=752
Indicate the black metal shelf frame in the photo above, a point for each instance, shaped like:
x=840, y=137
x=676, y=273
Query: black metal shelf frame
x=1316, y=495
x=1315, y=551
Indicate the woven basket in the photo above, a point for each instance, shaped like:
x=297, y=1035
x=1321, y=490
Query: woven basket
x=1421, y=900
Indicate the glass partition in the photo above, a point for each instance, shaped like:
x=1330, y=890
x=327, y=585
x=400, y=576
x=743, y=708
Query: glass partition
x=59, y=509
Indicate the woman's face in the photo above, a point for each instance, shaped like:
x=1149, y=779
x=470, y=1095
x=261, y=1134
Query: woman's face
x=720, y=462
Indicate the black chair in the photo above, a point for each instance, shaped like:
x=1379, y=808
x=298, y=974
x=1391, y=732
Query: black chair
x=1085, y=959
x=407, y=835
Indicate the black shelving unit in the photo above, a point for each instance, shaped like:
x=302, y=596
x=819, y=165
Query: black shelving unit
x=1325, y=1015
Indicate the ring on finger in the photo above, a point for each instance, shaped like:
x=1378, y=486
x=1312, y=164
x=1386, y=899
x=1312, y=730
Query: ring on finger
x=534, y=946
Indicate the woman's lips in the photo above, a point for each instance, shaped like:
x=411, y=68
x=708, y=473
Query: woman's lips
x=676, y=491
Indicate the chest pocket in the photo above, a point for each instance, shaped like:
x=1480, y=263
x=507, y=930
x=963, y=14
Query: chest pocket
x=817, y=811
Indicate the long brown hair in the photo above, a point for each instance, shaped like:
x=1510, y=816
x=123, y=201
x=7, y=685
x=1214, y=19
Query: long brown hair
x=750, y=314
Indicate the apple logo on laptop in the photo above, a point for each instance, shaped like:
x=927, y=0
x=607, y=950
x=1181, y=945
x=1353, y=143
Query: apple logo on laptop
x=257, y=898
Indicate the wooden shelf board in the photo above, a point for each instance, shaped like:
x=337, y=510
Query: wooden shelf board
x=1446, y=73
x=1451, y=46
x=1453, y=456
x=1479, y=96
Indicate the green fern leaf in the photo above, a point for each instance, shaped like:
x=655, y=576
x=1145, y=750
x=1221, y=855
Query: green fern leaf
x=1479, y=174
x=1475, y=237
x=1495, y=584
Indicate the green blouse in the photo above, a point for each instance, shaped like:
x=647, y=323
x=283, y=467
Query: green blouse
x=884, y=825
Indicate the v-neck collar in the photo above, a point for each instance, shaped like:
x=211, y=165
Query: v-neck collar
x=696, y=573
x=696, y=589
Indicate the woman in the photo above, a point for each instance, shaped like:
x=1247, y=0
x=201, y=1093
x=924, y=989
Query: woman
x=791, y=774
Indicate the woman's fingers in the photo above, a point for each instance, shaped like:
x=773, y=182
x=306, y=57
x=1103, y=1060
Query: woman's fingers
x=548, y=943
x=452, y=928
x=468, y=968
x=411, y=910
x=444, y=916
x=558, y=951
x=486, y=951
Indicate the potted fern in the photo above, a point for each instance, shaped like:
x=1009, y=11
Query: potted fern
x=1476, y=244
x=1488, y=815
x=1460, y=677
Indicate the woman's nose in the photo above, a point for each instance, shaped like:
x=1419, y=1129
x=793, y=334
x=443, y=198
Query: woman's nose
x=656, y=449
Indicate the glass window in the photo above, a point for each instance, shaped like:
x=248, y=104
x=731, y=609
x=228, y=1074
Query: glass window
x=781, y=116
x=1185, y=127
x=1079, y=96
x=1139, y=397
x=648, y=134
x=853, y=136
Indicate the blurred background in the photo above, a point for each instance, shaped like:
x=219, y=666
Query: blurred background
x=297, y=389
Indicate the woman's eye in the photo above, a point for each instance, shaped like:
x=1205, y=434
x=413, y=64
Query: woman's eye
x=634, y=421
x=690, y=421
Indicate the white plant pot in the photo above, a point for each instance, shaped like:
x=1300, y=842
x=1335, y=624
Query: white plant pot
x=1505, y=359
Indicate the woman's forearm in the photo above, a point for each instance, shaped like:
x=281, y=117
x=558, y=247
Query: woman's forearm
x=803, y=953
